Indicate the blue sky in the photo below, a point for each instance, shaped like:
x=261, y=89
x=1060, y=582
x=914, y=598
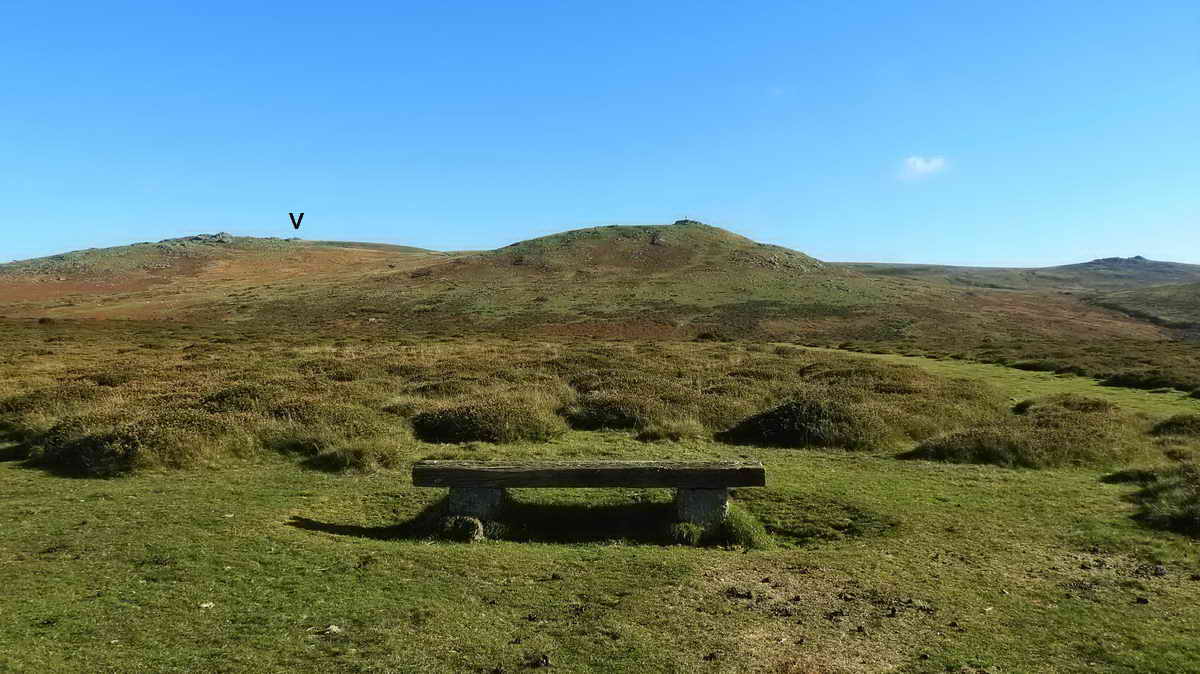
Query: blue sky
x=1017, y=133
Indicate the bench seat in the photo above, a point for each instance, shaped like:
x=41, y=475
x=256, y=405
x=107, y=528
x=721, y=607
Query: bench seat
x=633, y=474
x=477, y=488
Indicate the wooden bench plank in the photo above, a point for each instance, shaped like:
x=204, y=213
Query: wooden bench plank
x=688, y=475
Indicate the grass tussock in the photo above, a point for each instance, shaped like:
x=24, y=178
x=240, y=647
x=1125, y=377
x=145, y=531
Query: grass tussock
x=1169, y=497
x=331, y=403
x=1049, y=432
x=98, y=445
x=496, y=419
x=1187, y=425
x=814, y=422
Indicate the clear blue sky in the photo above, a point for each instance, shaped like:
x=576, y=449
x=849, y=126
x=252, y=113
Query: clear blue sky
x=1008, y=133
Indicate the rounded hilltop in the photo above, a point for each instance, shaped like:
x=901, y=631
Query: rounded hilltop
x=684, y=243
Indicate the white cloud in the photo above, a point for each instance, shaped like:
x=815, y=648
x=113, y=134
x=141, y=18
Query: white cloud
x=917, y=167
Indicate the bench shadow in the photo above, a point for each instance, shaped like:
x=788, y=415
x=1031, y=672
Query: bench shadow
x=424, y=525
x=637, y=523
x=641, y=522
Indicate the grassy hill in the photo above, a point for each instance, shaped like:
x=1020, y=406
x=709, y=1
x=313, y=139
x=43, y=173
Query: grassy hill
x=683, y=281
x=1175, y=305
x=179, y=254
x=211, y=461
x=1098, y=275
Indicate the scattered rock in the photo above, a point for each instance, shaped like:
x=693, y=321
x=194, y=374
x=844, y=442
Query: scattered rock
x=331, y=630
x=207, y=604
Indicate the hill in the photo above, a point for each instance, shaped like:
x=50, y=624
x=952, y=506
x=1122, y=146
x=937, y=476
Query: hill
x=1175, y=305
x=1104, y=274
x=681, y=281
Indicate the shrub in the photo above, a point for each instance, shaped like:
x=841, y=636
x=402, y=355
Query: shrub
x=813, y=422
x=498, y=419
x=1180, y=424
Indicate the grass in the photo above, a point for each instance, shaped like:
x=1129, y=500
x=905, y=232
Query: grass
x=1169, y=497
x=264, y=502
x=1066, y=429
x=184, y=571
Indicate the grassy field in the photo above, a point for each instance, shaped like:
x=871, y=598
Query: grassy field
x=881, y=565
x=265, y=519
x=205, y=448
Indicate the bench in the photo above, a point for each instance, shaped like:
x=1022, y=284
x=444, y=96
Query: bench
x=477, y=488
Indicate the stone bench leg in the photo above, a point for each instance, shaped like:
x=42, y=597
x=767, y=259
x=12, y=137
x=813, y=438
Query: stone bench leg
x=480, y=502
x=706, y=507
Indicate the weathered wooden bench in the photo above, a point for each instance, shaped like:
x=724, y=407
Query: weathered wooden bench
x=477, y=488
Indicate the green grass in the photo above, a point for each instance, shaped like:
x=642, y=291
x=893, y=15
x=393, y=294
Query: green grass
x=247, y=569
x=266, y=497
